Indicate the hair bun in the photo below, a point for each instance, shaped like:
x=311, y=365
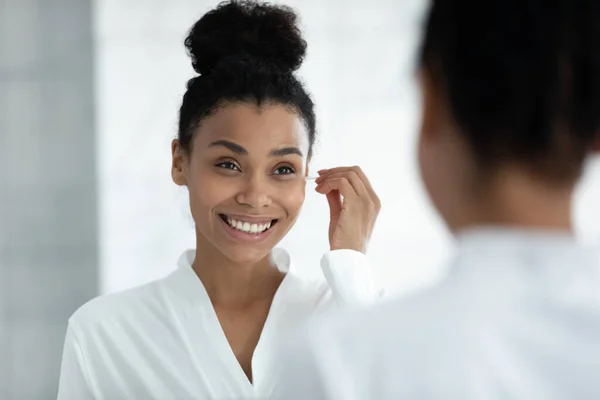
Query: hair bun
x=242, y=30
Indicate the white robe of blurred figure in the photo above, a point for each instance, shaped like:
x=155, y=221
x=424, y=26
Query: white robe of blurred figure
x=516, y=317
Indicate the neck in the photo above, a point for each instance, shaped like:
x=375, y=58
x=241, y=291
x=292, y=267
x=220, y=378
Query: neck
x=514, y=199
x=233, y=284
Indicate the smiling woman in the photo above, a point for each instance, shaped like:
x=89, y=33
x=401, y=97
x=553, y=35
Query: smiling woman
x=246, y=178
x=246, y=132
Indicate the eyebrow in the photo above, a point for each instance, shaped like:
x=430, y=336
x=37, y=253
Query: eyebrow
x=236, y=148
x=286, y=151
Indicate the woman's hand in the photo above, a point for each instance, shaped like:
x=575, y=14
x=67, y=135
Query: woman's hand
x=353, y=206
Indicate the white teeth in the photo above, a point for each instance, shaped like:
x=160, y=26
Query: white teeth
x=248, y=227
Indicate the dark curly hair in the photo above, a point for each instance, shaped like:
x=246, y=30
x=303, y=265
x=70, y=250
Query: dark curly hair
x=521, y=78
x=244, y=51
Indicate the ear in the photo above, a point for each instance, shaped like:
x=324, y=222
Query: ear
x=430, y=111
x=178, y=165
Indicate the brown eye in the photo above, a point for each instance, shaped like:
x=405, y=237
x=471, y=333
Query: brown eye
x=284, y=170
x=228, y=165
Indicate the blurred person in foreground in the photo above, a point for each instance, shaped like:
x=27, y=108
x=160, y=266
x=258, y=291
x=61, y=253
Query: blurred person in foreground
x=511, y=113
x=246, y=135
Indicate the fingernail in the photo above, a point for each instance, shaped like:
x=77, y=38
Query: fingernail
x=321, y=172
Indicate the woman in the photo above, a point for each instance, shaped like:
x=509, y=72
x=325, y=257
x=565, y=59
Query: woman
x=511, y=114
x=246, y=131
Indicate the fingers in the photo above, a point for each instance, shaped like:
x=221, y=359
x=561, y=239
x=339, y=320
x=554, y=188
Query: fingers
x=357, y=170
x=357, y=179
x=335, y=181
x=339, y=184
x=335, y=202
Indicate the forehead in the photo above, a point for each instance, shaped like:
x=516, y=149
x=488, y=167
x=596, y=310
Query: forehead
x=255, y=128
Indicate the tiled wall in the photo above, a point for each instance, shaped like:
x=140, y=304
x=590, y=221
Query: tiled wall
x=48, y=198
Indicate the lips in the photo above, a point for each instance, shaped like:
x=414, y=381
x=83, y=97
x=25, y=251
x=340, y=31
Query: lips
x=248, y=226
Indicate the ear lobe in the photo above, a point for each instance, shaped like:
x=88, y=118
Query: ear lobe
x=178, y=164
x=429, y=107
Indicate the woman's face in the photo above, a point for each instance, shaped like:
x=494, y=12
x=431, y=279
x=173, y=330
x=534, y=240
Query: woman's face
x=245, y=173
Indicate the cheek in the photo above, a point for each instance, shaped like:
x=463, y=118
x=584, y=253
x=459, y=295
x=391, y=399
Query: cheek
x=292, y=198
x=206, y=192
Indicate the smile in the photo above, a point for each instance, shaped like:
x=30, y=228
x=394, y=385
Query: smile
x=248, y=227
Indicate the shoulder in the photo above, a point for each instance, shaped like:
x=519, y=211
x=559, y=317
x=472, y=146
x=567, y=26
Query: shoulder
x=345, y=279
x=124, y=306
x=303, y=282
x=400, y=341
x=350, y=276
x=417, y=319
x=304, y=291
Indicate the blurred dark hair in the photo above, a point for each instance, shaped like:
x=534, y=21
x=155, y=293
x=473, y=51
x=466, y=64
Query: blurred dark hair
x=521, y=79
x=244, y=51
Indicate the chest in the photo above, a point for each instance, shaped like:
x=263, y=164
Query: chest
x=242, y=328
x=184, y=356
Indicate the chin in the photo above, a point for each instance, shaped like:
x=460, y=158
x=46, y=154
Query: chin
x=245, y=254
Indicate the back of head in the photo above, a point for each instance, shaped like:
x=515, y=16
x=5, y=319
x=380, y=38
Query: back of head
x=521, y=79
x=244, y=51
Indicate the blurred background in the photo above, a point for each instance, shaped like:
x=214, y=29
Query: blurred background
x=89, y=93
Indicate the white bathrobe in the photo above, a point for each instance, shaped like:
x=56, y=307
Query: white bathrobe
x=517, y=317
x=163, y=340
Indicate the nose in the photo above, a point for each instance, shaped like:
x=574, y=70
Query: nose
x=254, y=193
